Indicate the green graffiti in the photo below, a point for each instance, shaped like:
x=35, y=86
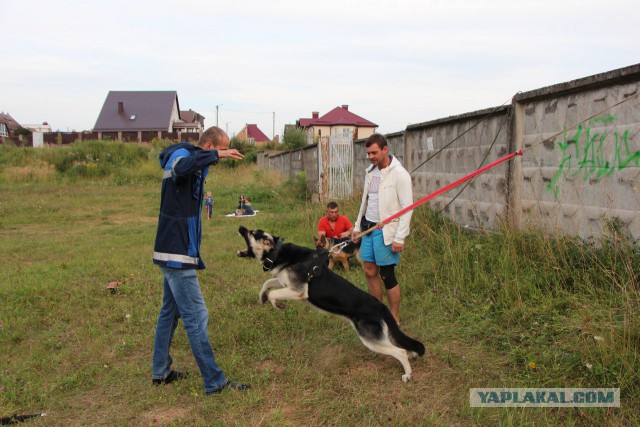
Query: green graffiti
x=585, y=153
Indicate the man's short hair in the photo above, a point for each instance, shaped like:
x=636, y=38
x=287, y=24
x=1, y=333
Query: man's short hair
x=214, y=134
x=376, y=138
x=332, y=205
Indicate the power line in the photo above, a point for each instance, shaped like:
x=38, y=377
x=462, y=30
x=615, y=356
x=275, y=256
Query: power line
x=247, y=112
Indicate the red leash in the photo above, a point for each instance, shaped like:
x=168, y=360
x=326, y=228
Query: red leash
x=442, y=190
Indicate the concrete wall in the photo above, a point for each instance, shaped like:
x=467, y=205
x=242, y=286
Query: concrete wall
x=590, y=172
x=291, y=163
x=580, y=169
x=455, y=147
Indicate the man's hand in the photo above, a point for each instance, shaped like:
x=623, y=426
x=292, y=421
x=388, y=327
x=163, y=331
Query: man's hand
x=397, y=247
x=230, y=154
x=353, y=236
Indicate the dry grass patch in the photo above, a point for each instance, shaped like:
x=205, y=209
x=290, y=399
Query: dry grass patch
x=38, y=171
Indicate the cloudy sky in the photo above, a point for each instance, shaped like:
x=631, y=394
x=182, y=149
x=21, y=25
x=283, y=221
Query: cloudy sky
x=393, y=62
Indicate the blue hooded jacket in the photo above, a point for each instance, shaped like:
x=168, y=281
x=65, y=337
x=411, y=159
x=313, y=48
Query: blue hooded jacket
x=180, y=223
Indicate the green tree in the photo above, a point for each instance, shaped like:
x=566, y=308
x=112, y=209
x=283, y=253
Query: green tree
x=249, y=151
x=22, y=131
x=294, y=138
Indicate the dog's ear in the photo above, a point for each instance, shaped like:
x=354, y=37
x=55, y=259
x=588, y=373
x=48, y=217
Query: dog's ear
x=268, y=243
x=271, y=242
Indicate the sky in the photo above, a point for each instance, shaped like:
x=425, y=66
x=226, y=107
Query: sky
x=273, y=62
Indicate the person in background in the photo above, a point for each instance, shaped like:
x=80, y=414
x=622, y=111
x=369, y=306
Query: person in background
x=208, y=203
x=333, y=224
x=245, y=207
x=387, y=190
x=177, y=253
x=248, y=207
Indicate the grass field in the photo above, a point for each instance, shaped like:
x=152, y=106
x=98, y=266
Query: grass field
x=512, y=309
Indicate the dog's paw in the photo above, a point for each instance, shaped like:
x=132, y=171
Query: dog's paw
x=406, y=378
x=264, y=297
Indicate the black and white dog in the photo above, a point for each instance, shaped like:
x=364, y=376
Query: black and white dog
x=301, y=274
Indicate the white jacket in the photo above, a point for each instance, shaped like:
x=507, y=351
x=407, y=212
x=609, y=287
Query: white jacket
x=395, y=194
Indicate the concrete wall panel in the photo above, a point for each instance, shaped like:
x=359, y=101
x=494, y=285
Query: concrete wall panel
x=577, y=181
x=478, y=139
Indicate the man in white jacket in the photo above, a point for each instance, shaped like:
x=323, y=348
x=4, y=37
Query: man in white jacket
x=387, y=190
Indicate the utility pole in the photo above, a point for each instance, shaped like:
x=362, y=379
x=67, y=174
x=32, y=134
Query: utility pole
x=217, y=114
x=274, y=126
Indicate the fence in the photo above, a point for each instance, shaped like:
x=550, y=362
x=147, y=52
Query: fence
x=64, y=138
x=580, y=173
x=335, y=167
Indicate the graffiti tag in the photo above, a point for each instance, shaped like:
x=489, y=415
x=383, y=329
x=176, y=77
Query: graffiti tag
x=593, y=153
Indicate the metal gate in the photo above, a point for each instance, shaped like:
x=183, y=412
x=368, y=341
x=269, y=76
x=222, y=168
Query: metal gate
x=335, y=167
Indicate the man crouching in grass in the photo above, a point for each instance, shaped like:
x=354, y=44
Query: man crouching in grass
x=177, y=252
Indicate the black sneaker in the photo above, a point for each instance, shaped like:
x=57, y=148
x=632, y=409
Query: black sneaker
x=173, y=376
x=230, y=385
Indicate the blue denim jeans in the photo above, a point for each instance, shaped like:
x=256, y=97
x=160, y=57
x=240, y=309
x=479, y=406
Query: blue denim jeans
x=182, y=298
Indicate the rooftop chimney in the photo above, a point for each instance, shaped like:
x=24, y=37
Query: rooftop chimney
x=346, y=107
x=314, y=115
x=120, y=107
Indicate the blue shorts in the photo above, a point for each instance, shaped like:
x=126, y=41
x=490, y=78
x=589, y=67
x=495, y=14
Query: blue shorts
x=373, y=249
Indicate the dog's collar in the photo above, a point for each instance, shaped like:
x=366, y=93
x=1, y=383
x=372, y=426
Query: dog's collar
x=268, y=263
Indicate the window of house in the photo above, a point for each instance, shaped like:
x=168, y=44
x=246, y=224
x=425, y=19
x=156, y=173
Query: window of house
x=3, y=130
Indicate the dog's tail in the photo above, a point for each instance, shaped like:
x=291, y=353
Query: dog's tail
x=400, y=339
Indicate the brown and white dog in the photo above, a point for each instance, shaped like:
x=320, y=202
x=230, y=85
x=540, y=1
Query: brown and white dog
x=346, y=250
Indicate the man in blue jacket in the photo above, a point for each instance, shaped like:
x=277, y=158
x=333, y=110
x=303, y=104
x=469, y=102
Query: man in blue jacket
x=177, y=252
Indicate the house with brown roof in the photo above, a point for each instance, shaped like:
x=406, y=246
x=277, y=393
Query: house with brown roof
x=7, y=125
x=145, y=111
x=190, y=121
x=253, y=135
x=339, y=121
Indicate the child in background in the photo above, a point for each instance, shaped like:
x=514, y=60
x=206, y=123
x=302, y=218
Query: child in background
x=208, y=203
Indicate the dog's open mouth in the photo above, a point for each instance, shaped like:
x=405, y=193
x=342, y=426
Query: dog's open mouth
x=248, y=252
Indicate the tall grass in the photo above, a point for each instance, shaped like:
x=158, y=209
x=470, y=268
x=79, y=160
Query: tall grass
x=87, y=159
x=505, y=309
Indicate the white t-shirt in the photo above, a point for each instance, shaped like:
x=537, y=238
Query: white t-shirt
x=373, y=211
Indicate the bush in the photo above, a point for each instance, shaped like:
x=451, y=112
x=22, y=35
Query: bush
x=90, y=159
x=249, y=151
x=294, y=138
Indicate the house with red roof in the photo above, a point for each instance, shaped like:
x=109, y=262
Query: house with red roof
x=253, y=135
x=8, y=125
x=339, y=121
